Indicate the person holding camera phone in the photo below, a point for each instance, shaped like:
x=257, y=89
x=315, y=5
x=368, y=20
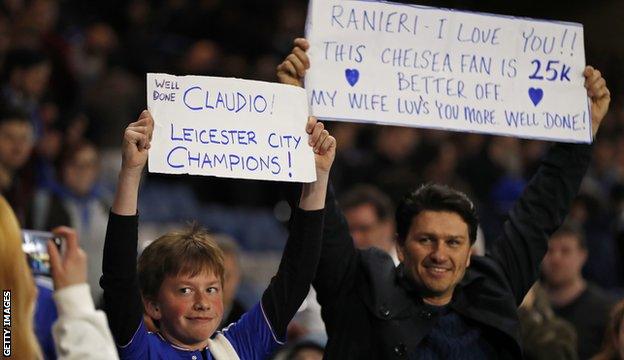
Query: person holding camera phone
x=80, y=331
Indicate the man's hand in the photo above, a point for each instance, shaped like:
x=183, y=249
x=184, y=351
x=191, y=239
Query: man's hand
x=293, y=69
x=599, y=94
x=323, y=144
x=71, y=268
x=136, y=143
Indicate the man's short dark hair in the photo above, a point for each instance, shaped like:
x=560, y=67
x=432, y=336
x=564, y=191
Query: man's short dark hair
x=434, y=197
x=571, y=229
x=363, y=194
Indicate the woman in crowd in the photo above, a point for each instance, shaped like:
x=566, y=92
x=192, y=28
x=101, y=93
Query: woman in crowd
x=80, y=328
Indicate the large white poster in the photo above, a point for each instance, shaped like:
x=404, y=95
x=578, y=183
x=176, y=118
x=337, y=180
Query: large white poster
x=229, y=128
x=418, y=66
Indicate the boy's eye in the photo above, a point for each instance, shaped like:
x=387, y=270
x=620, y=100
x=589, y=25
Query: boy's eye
x=213, y=290
x=185, y=290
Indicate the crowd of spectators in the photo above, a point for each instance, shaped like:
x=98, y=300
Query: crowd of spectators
x=73, y=76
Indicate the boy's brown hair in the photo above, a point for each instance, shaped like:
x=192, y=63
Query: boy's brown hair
x=189, y=252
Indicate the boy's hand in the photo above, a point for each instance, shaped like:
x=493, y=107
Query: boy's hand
x=136, y=143
x=294, y=67
x=599, y=94
x=71, y=269
x=323, y=144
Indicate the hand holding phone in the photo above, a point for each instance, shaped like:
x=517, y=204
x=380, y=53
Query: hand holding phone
x=35, y=245
x=69, y=268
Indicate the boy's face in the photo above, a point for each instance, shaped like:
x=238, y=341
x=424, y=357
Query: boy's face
x=189, y=309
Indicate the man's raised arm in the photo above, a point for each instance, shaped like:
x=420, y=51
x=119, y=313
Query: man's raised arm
x=546, y=200
x=336, y=269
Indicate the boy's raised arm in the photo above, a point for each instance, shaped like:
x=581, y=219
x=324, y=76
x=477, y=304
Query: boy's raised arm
x=122, y=299
x=297, y=269
x=136, y=143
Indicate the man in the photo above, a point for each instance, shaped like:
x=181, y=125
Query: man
x=369, y=214
x=441, y=302
x=16, y=145
x=27, y=76
x=573, y=299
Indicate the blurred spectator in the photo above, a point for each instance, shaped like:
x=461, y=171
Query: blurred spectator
x=369, y=213
x=91, y=56
x=544, y=335
x=394, y=160
x=116, y=86
x=202, y=58
x=596, y=221
x=79, y=202
x=16, y=144
x=26, y=75
x=233, y=309
x=572, y=298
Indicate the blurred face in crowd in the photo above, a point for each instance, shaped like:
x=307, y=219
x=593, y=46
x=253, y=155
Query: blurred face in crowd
x=16, y=143
x=189, y=308
x=396, y=143
x=367, y=229
x=436, y=253
x=81, y=172
x=33, y=81
x=231, y=277
x=564, y=260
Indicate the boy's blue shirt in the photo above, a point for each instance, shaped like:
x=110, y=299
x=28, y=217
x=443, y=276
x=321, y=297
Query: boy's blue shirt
x=251, y=337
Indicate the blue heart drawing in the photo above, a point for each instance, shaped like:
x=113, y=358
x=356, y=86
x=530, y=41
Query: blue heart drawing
x=536, y=95
x=352, y=76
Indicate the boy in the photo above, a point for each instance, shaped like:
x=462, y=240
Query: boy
x=181, y=274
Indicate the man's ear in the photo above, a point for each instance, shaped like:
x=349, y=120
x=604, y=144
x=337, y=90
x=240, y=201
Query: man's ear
x=152, y=308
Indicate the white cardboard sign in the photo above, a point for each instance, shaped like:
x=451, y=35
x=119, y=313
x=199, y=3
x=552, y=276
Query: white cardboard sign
x=419, y=66
x=229, y=128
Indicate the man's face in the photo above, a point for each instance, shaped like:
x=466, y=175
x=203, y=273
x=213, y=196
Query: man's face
x=16, y=143
x=36, y=79
x=436, y=253
x=564, y=260
x=189, y=309
x=366, y=228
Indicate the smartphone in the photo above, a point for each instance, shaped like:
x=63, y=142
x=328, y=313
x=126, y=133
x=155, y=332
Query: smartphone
x=35, y=245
